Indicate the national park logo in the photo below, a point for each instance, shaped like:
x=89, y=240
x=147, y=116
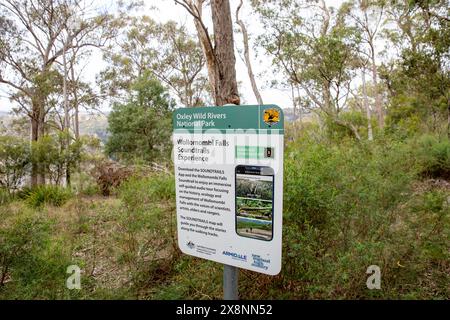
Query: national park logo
x=271, y=116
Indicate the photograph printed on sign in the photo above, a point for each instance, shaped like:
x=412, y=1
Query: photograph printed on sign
x=254, y=202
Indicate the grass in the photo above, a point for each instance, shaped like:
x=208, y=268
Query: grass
x=47, y=194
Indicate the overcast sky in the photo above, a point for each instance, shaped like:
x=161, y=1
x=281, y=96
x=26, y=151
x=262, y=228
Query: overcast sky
x=167, y=10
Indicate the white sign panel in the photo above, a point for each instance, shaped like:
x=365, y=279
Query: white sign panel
x=229, y=184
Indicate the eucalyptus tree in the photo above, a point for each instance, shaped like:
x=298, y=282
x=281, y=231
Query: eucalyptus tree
x=418, y=76
x=218, y=48
x=368, y=17
x=167, y=50
x=31, y=44
x=247, y=60
x=312, y=45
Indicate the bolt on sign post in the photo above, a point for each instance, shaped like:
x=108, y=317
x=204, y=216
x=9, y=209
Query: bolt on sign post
x=229, y=184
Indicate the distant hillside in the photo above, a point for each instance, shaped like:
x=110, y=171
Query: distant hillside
x=94, y=125
x=290, y=117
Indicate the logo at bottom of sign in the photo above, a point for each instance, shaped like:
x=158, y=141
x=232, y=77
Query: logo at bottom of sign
x=234, y=255
x=260, y=262
x=190, y=245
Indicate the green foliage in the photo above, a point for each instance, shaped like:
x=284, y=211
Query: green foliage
x=32, y=263
x=434, y=155
x=5, y=196
x=90, y=190
x=146, y=223
x=53, y=156
x=20, y=239
x=330, y=180
x=141, y=128
x=320, y=61
x=338, y=131
x=340, y=202
x=85, y=184
x=24, y=193
x=48, y=194
x=168, y=49
x=418, y=80
x=14, y=161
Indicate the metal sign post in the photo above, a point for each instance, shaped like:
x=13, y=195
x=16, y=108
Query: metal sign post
x=230, y=274
x=230, y=282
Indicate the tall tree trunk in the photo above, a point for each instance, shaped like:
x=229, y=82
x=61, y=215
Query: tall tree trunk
x=294, y=103
x=37, y=131
x=299, y=107
x=366, y=106
x=226, y=84
x=205, y=42
x=75, y=98
x=220, y=59
x=66, y=100
x=247, y=57
x=66, y=141
x=34, y=138
x=378, y=101
x=328, y=106
x=77, y=120
x=41, y=133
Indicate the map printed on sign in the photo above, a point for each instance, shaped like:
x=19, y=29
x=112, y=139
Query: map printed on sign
x=229, y=184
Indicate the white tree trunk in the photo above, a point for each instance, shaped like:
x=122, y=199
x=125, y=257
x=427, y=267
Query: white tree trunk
x=367, y=107
x=247, y=57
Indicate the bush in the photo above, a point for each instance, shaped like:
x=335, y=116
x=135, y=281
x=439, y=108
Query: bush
x=24, y=193
x=145, y=190
x=434, y=156
x=338, y=131
x=90, y=190
x=32, y=263
x=48, y=194
x=14, y=161
x=84, y=184
x=340, y=202
x=52, y=158
x=5, y=196
x=110, y=175
x=147, y=227
x=20, y=239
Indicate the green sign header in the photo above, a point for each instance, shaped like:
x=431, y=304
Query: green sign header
x=263, y=117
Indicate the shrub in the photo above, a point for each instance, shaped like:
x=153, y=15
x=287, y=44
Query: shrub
x=110, y=175
x=32, y=262
x=20, y=239
x=48, y=194
x=434, y=156
x=84, y=184
x=5, y=196
x=52, y=158
x=340, y=202
x=342, y=130
x=147, y=227
x=90, y=190
x=14, y=161
x=24, y=193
